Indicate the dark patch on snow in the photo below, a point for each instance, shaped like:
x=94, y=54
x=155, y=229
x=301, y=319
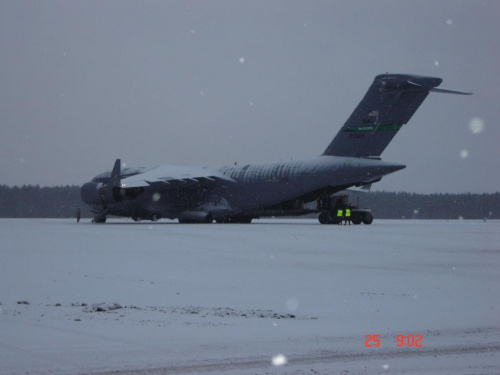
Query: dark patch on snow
x=102, y=307
x=223, y=312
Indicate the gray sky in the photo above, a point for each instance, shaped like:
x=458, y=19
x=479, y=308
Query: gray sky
x=214, y=82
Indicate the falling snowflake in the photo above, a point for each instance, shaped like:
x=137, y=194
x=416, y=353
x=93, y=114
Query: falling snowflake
x=449, y=21
x=279, y=360
x=241, y=60
x=464, y=154
x=436, y=63
x=156, y=197
x=385, y=367
x=476, y=125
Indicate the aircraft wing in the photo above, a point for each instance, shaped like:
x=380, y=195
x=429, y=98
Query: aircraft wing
x=173, y=177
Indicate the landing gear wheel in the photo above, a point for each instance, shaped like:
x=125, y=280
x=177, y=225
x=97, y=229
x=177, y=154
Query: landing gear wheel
x=99, y=219
x=356, y=221
x=207, y=220
x=234, y=220
x=367, y=218
x=324, y=218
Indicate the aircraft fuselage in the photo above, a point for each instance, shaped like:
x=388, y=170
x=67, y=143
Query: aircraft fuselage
x=254, y=188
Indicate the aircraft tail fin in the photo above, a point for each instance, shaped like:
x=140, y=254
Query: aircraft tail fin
x=390, y=102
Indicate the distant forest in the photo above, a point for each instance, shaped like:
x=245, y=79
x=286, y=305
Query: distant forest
x=62, y=202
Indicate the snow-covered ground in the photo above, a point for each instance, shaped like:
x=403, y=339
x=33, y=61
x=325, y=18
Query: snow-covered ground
x=230, y=298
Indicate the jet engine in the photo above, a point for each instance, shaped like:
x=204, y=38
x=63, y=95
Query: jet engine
x=98, y=193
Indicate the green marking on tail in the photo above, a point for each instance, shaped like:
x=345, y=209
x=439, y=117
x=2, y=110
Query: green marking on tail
x=372, y=128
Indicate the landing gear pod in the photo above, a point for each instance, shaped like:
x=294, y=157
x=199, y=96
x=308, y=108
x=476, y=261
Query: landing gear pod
x=195, y=217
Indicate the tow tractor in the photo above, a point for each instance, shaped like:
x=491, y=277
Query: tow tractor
x=330, y=206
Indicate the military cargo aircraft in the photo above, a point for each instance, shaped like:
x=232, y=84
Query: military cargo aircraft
x=240, y=193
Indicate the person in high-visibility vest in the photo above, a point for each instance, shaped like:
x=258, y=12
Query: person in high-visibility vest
x=340, y=215
x=347, y=216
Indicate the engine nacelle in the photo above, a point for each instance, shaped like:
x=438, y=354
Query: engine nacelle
x=97, y=193
x=90, y=192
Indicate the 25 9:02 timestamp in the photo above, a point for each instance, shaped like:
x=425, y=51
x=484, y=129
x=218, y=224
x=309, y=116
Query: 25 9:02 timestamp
x=412, y=341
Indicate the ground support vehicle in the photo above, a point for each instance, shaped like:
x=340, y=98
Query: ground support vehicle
x=333, y=210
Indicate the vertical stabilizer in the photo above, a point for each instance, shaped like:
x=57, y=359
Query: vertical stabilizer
x=390, y=102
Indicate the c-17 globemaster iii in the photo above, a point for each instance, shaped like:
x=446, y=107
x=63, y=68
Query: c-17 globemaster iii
x=238, y=194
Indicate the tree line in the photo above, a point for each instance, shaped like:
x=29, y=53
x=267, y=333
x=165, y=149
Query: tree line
x=30, y=201
x=400, y=205
x=62, y=202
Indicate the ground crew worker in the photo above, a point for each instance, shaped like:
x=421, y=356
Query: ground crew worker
x=347, y=216
x=340, y=215
x=78, y=215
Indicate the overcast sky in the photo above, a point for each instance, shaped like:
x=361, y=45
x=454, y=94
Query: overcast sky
x=213, y=82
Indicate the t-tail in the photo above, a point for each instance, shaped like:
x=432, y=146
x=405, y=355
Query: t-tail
x=390, y=102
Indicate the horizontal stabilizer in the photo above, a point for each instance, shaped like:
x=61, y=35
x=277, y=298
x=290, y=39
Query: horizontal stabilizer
x=447, y=91
x=443, y=91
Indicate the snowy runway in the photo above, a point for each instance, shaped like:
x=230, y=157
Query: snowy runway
x=154, y=298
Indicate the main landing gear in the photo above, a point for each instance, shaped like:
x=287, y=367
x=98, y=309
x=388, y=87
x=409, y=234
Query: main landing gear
x=99, y=219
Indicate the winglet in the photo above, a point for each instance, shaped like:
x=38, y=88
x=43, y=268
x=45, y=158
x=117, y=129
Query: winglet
x=115, y=178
